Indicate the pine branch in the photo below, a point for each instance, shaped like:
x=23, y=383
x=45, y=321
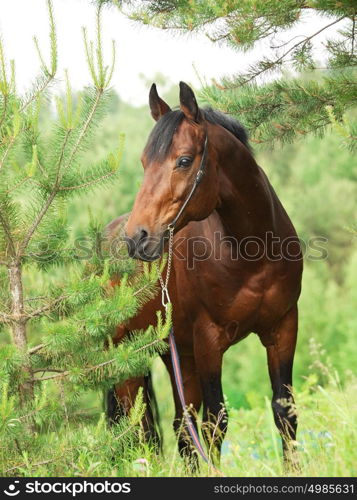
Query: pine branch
x=83, y=131
x=126, y=431
x=61, y=172
x=5, y=104
x=35, y=349
x=66, y=373
x=7, y=151
x=38, y=464
x=147, y=346
x=240, y=26
x=8, y=234
x=61, y=156
x=37, y=221
x=5, y=318
x=47, y=370
x=36, y=94
x=19, y=184
x=273, y=64
x=89, y=183
x=44, y=309
x=50, y=73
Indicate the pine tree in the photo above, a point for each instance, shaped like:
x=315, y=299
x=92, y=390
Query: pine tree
x=281, y=108
x=45, y=286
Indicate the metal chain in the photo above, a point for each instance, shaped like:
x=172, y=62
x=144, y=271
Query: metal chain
x=165, y=297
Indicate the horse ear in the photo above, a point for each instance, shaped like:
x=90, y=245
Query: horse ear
x=188, y=103
x=158, y=107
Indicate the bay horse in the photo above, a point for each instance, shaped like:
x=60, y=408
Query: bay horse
x=237, y=262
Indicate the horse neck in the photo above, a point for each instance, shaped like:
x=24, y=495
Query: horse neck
x=246, y=200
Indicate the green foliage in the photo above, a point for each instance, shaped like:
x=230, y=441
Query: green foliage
x=285, y=108
x=58, y=311
x=316, y=181
x=317, y=184
x=326, y=438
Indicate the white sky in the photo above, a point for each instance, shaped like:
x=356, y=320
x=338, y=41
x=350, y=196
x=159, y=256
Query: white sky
x=140, y=50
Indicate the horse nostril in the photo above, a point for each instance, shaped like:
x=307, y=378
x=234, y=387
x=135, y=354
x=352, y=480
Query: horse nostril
x=133, y=243
x=130, y=246
x=143, y=235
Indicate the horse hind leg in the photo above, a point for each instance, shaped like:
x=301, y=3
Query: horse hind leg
x=280, y=356
x=152, y=416
x=120, y=400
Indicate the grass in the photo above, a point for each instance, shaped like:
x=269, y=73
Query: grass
x=327, y=440
x=326, y=437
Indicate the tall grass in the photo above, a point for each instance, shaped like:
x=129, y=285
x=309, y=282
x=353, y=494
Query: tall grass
x=326, y=441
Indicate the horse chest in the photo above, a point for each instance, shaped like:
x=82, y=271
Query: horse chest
x=229, y=297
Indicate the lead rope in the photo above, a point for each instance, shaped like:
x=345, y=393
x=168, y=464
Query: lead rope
x=165, y=298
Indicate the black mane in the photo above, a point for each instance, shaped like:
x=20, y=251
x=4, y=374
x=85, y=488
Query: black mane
x=160, y=139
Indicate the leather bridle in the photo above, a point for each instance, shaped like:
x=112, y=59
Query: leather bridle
x=171, y=226
x=197, y=181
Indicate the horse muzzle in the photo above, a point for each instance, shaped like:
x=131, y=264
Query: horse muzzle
x=143, y=246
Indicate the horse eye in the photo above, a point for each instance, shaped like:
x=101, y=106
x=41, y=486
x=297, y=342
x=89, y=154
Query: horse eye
x=184, y=161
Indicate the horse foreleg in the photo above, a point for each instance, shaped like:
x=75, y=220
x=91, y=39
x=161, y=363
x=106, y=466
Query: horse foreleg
x=215, y=417
x=209, y=357
x=193, y=399
x=280, y=363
